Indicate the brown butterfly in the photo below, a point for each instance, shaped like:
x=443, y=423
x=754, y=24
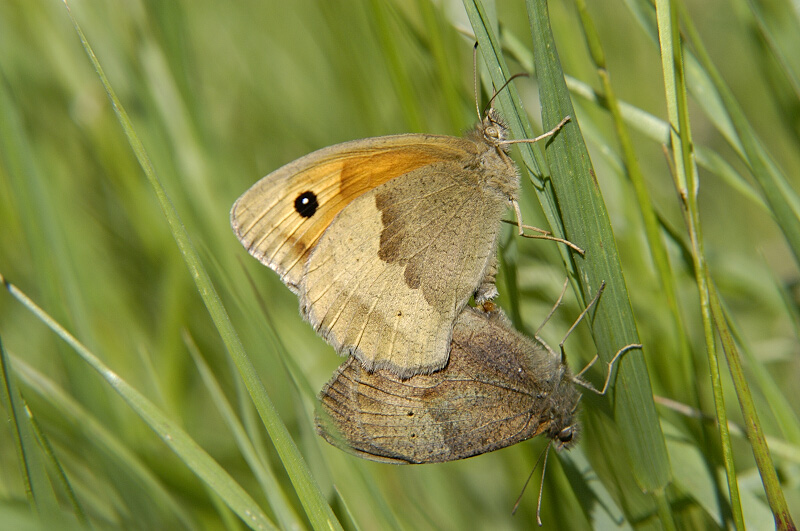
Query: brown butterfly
x=498, y=388
x=384, y=240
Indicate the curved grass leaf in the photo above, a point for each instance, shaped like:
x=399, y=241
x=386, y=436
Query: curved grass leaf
x=310, y=495
x=220, y=482
x=34, y=475
x=109, y=443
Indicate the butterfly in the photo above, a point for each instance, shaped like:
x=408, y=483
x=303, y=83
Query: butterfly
x=385, y=239
x=499, y=388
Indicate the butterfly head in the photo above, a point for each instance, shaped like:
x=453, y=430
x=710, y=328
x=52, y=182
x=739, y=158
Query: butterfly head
x=567, y=436
x=564, y=429
x=494, y=128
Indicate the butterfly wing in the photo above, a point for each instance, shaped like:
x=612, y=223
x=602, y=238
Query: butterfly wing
x=384, y=240
x=488, y=397
x=394, y=269
x=280, y=219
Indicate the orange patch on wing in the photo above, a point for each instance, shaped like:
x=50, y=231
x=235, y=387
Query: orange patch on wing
x=357, y=173
x=366, y=171
x=266, y=219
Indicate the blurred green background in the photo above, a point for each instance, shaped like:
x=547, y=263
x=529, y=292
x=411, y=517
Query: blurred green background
x=224, y=93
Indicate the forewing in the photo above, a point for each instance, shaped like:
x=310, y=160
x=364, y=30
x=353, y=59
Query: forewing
x=388, y=278
x=280, y=219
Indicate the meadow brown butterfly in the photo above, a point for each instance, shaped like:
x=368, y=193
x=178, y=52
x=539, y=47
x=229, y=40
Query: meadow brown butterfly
x=385, y=239
x=499, y=388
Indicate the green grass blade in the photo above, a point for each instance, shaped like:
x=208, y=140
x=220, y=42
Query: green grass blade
x=588, y=226
x=719, y=104
x=51, y=259
x=780, y=406
x=788, y=78
x=633, y=401
x=391, y=51
x=160, y=500
x=604, y=514
x=687, y=184
x=779, y=194
x=655, y=242
x=645, y=123
x=173, y=435
x=38, y=488
x=58, y=471
x=755, y=433
x=692, y=475
x=278, y=501
x=351, y=521
x=319, y=512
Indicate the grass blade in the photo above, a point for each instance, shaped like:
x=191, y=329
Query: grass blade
x=319, y=512
x=686, y=179
x=612, y=322
x=779, y=194
x=656, y=244
x=222, y=484
x=587, y=224
x=159, y=501
x=261, y=469
x=752, y=424
x=34, y=476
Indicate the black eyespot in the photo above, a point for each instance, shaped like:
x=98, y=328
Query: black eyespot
x=410, y=413
x=306, y=204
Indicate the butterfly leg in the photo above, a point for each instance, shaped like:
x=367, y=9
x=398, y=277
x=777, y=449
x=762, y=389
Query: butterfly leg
x=518, y=214
x=546, y=235
x=487, y=290
x=555, y=307
x=583, y=383
x=579, y=319
x=543, y=234
x=548, y=134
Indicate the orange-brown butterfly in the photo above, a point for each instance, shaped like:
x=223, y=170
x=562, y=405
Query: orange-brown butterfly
x=384, y=240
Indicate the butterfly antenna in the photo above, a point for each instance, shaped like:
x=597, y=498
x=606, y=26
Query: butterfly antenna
x=525, y=486
x=541, y=489
x=496, y=92
x=475, y=79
